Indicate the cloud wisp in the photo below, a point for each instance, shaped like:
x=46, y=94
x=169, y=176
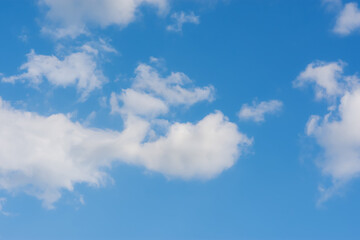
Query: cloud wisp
x=2, y=203
x=180, y=18
x=257, y=111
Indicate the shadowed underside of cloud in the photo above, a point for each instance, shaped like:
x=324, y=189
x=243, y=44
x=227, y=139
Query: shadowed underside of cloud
x=338, y=132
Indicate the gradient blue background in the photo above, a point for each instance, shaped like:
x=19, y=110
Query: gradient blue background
x=247, y=49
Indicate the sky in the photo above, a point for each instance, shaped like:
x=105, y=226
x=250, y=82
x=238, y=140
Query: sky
x=181, y=120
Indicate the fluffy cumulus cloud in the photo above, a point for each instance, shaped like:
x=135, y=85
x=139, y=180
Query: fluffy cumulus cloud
x=78, y=69
x=152, y=95
x=338, y=132
x=201, y=150
x=180, y=18
x=257, y=111
x=324, y=76
x=44, y=155
x=72, y=17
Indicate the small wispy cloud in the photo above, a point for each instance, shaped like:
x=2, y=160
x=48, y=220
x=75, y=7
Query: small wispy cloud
x=2, y=203
x=257, y=111
x=332, y=5
x=180, y=19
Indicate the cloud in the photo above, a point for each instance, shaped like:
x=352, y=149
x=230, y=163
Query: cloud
x=45, y=155
x=257, y=112
x=201, y=150
x=180, y=19
x=72, y=18
x=324, y=76
x=338, y=132
x=2, y=202
x=348, y=18
x=152, y=95
x=78, y=69
x=137, y=103
x=332, y=5
x=175, y=89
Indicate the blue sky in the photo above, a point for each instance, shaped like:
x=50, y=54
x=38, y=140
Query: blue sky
x=194, y=119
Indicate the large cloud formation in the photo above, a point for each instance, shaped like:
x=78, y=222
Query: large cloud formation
x=338, y=132
x=43, y=155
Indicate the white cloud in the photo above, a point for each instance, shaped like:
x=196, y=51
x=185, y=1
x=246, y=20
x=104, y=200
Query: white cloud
x=152, y=95
x=43, y=156
x=180, y=19
x=348, y=20
x=324, y=76
x=77, y=69
x=173, y=89
x=137, y=103
x=56, y=153
x=96, y=47
x=202, y=150
x=72, y=17
x=257, y=112
x=338, y=133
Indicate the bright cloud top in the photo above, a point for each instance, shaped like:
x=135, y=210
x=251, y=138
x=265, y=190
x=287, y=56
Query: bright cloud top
x=73, y=17
x=77, y=69
x=180, y=19
x=257, y=111
x=338, y=132
x=56, y=153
